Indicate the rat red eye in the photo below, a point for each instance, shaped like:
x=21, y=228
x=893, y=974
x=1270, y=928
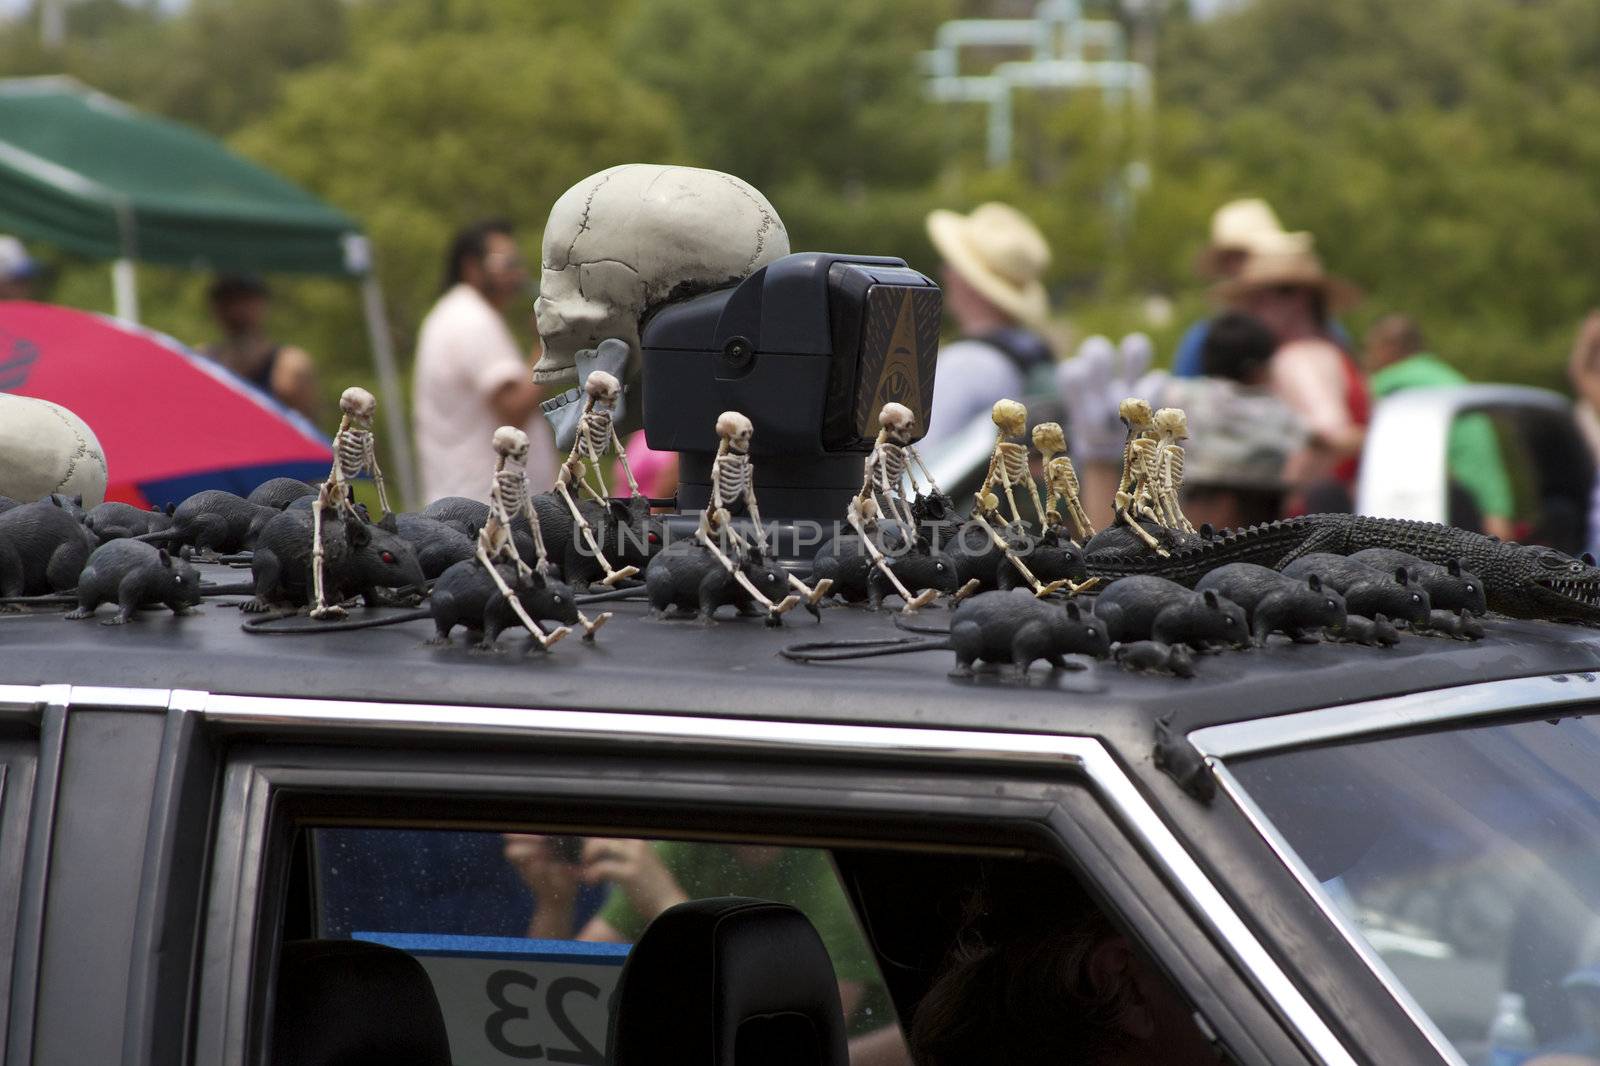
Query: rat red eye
x=387, y=557
x=655, y=538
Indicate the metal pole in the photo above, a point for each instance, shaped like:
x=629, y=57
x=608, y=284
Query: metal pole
x=394, y=408
x=125, y=290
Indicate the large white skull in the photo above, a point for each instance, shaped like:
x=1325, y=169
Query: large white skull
x=45, y=448
x=624, y=240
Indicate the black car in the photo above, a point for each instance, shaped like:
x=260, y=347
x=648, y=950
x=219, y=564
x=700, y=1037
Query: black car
x=224, y=848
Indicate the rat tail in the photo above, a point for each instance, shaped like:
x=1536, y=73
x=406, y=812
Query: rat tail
x=912, y=627
x=827, y=651
x=265, y=626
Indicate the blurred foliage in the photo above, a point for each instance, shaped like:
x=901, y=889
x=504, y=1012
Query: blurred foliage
x=1445, y=152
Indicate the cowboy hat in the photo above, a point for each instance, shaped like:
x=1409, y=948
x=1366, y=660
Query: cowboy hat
x=1236, y=226
x=999, y=252
x=1288, y=260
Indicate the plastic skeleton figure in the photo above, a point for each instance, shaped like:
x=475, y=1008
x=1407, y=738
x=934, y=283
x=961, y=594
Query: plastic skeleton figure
x=893, y=459
x=1135, y=499
x=508, y=497
x=596, y=434
x=1172, y=427
x=353, y=455
x=1061, y=483
x=1008, y=465
x=889, y=462
x=732, y=480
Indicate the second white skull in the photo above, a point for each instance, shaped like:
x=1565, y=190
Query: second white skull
x=628, y=239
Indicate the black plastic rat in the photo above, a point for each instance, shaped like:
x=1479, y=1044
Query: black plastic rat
x=280, y=492
x=1450, y=588
x=439, y=545
x=1367, y=590
x=43, y=548
x=358, y=558
x=1009, y=630
x=1153, y=657
x=1145, y=607
x=1277, y=603
x=685, y=576
x=215, y=521
x=1376, y=632
x=845, y=561
x=134, y=575
x=113, y=521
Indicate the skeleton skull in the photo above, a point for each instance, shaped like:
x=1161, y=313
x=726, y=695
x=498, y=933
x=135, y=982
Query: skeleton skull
x=898, y=421
x=358, y=403
x=624, y=240
x=1172, y=423
x=511, y=443
x=736, y=429
x=602, y=387
x=1048, y=438
x=1010, y=416
x=1135, y=413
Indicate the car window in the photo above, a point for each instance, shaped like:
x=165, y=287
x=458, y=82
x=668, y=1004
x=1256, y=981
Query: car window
x=1525, y=466
x=1465, y=860
x=524, y=935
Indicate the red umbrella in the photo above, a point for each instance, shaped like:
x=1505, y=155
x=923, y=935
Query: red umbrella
x=171, y=421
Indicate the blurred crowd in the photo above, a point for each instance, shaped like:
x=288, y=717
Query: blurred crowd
x=1280, y=394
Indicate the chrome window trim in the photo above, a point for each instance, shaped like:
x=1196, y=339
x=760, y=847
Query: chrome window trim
x=1086, y=754
x=1394, y=714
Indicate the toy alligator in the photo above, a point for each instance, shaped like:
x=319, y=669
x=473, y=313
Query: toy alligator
x=1521, y=580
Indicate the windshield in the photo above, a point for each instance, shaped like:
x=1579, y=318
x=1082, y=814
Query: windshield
x=1469, y=861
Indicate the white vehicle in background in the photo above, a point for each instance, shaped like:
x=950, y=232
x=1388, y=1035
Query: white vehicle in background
x=1404, y=466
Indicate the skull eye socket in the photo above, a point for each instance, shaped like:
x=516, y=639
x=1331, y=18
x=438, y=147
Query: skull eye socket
x=387, y=557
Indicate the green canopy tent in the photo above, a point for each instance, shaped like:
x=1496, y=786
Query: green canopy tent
x=89, y=174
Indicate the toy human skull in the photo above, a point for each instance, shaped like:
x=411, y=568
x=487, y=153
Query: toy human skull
x=45, y=448
x=602, y=387
x=358, y=403
x=627, y=239
x=1171, y=423
x=1010, y=416
x=1135, y=414
x=736, y=429
x=897, y=420
x=511, y=443
x=1048, y=438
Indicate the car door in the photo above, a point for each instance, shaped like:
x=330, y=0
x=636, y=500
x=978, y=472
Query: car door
x=292, y=770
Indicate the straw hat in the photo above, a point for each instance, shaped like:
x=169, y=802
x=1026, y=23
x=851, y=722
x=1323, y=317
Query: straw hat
x=1236, y=226
x=1288, y=259
x=999, y=252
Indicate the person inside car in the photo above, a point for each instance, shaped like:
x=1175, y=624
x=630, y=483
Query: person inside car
x=1038, y=976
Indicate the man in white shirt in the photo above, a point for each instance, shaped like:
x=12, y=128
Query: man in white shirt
x=994, y=260
x=471, y=378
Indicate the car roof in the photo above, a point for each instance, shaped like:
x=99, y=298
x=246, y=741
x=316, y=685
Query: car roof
x=734, y=669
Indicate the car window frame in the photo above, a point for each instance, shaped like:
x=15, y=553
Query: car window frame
x=428, y=751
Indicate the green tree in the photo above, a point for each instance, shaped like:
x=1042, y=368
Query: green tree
x=416, y=138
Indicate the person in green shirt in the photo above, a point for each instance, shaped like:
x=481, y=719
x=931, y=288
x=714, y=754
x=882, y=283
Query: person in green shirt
x=648, y=877
x=1397, y=358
